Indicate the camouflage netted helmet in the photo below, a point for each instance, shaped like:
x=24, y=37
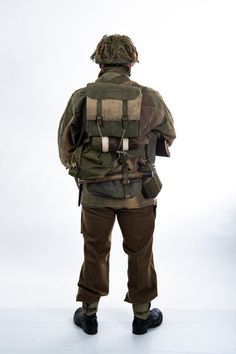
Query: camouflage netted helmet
x=115, y=49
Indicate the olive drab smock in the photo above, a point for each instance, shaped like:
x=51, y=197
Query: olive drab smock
x=155, y=119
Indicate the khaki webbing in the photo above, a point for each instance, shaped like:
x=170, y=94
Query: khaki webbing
x=117, y=177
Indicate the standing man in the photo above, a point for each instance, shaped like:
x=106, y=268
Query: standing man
x=108, y=138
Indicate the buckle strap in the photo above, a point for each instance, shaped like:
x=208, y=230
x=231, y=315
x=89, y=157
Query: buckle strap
x=99, y=121
x=125, y=121
x=123, y=157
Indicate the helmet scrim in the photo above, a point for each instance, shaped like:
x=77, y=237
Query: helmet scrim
x=115, y=49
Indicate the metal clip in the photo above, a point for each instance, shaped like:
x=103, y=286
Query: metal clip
x=125, y=122
x=99, y=121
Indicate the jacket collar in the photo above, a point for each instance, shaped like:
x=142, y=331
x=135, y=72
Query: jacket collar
x=121, y=70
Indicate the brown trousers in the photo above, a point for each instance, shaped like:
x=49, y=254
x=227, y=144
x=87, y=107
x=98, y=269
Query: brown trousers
x=137, y=227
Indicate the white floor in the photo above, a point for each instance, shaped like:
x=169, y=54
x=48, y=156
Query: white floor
x=26, y=331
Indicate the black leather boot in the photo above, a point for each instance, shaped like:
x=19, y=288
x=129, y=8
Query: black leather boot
x=154, y=320
x=89, y=324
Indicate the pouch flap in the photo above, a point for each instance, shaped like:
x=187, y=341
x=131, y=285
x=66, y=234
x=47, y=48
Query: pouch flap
x=100, y=91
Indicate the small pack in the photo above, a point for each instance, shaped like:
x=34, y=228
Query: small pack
x=112, y=131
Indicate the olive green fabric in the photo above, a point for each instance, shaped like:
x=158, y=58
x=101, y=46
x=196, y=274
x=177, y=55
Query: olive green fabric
x=100, y=91
x=141, y=310
x=114, y=129
x=152, y=185
x=90, y=309
x=115, y=189
x=155, y=120
x=92, y=164
x=112, y=110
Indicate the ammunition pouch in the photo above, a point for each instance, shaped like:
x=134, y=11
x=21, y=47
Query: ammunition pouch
x=151, y=186
x=88, y=163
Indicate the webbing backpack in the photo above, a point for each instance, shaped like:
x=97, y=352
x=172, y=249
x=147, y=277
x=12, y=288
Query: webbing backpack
x=112, y=130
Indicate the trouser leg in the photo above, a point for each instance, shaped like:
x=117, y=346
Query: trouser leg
x=96, y=226
x=137, y=226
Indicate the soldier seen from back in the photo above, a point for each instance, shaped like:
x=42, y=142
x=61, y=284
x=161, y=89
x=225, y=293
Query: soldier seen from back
x=108, y=138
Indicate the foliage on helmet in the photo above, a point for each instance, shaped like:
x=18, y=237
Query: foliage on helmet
x=115, y=49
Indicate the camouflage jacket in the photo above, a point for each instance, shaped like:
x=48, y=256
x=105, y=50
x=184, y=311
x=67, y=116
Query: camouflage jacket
x=155, y=117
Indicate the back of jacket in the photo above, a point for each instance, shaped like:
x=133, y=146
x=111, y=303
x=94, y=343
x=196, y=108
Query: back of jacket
x=155, y=121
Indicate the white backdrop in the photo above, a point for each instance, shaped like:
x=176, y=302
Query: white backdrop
x=187, y=53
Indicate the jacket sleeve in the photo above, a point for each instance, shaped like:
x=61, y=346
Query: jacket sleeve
x=71, y=127
x=163, y=124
